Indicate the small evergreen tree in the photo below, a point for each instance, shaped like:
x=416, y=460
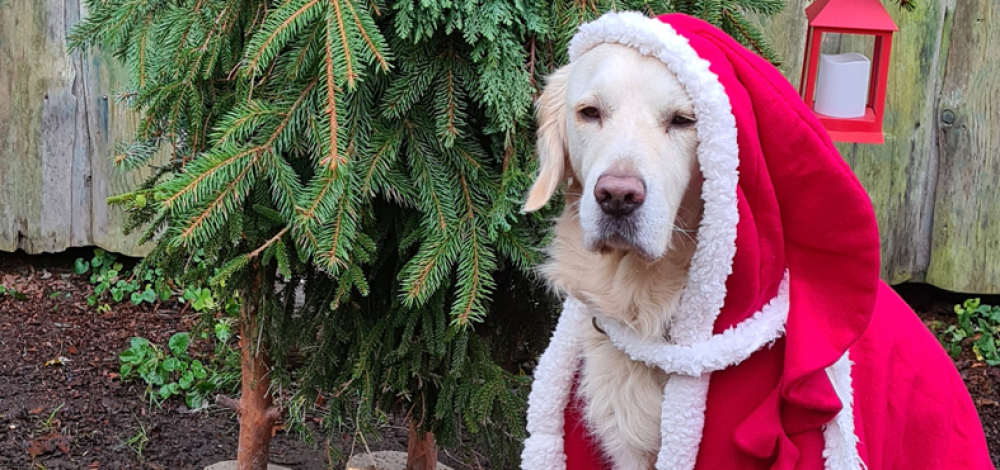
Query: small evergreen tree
x=356, y=169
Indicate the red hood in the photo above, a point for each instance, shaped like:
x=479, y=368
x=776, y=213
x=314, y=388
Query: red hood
x=800, y=207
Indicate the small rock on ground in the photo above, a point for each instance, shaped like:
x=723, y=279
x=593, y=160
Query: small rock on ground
x=386, y=460
x=231, y=465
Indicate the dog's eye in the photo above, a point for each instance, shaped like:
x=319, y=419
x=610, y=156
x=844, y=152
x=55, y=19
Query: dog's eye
x=590, y=113
x=680, y=120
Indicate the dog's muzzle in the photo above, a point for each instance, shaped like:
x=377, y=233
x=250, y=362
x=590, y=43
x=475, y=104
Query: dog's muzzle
x=619, y=197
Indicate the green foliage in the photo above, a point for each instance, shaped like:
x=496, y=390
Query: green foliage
x=137, y=442
x=171, y=371
x=978, y=323
x=12, y=293
x=46, y=425
x=323, y=151
x=112, y=282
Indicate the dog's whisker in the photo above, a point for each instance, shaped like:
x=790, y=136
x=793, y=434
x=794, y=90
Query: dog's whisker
x=687, y=233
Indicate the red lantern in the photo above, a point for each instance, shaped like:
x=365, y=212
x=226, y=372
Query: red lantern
x=850, y=96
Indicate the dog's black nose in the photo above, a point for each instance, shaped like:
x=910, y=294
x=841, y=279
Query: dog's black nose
x=619, y=195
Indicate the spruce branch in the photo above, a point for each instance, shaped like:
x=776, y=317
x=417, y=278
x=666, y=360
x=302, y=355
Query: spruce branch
x=338, y=18
x=275, y=239
x=333, y=158
x=362, y=29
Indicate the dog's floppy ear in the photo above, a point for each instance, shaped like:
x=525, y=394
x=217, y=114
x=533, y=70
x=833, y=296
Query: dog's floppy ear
x=551, y=144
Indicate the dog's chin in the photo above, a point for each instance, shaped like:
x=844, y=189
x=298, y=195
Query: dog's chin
x=623, y=244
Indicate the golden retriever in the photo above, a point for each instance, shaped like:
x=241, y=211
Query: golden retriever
x=618, y=128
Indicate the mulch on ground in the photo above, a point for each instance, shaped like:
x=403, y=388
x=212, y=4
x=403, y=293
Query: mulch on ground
x=62, y=405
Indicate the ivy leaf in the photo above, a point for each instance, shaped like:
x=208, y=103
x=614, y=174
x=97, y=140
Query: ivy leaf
x=194, y=400
x=179, y=343
x=171, y=364
x=186, y=380
x=131, y=356
x=198, y=370
x=80, y=266
x=222, y=332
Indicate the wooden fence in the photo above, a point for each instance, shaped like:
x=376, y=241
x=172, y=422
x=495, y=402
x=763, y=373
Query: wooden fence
x=58, y=123
x=934, y=183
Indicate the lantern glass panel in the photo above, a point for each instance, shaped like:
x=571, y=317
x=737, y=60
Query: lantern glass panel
x=841, y=43
x=837, y=43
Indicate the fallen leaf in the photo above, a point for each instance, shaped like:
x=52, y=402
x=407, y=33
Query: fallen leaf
x=72, y=350
x=63, y=445
x=36, y=449
x=59, y=361
x=48, y=443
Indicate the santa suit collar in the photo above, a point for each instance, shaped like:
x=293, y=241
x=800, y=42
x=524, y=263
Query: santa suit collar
x=764, y=270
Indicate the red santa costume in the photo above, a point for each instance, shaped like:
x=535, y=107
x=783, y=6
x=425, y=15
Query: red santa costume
x=788, y=351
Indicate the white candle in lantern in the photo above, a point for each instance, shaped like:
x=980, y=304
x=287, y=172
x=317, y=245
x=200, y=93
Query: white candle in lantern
x=842, y=85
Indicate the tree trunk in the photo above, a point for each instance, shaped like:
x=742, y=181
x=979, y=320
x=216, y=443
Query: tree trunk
x=257, y=416
x=421, y=451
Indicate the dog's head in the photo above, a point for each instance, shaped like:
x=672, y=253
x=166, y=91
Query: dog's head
x=622, y=128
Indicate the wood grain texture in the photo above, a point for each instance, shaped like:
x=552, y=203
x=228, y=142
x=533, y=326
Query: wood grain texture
x=912, y=179
x=900, y=175
x=966, y=233
x=56, y=129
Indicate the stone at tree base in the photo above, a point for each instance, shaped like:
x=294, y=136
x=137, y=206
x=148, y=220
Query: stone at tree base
x=231, y=465
x=385, y=460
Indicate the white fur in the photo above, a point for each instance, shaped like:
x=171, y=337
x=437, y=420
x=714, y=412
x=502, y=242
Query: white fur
x=718, y=352
x=841, y=446
x=549, y=396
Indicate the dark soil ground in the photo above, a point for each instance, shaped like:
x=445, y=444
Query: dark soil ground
x=77, y=414
x=80, y=415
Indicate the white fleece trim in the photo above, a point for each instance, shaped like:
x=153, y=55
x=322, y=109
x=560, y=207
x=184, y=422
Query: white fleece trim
x=840, y=450
x=726, y=349
x=544, y=449
x=683, y=417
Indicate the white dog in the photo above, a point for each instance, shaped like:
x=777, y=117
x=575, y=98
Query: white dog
x=620, y=128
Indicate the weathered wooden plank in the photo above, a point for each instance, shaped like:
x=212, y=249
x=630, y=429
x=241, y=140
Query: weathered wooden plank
x=966, y=245
x=57, y=126
x=899, y=175
x=81, y=181
x=38, y=103
x=110, y=122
